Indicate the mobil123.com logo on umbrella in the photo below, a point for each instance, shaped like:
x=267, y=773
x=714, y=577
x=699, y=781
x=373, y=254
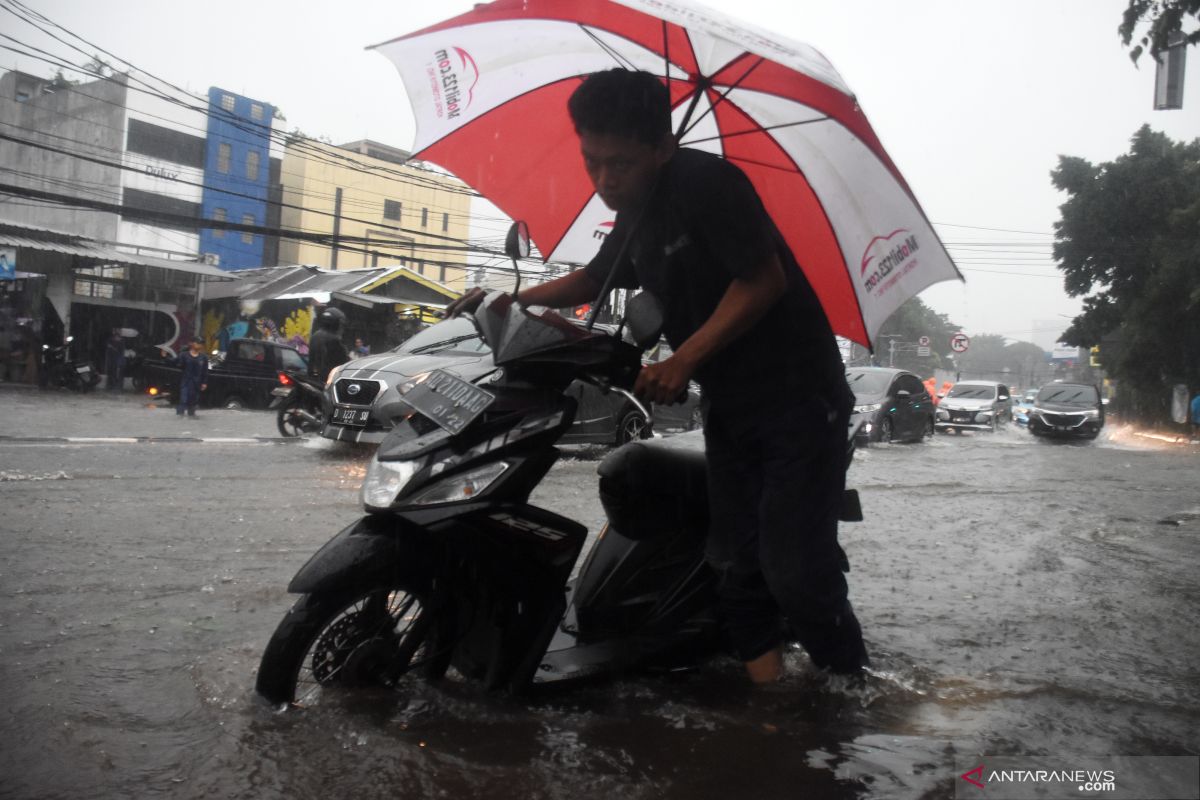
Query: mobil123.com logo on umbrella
x=887, y=259
x=452, y=78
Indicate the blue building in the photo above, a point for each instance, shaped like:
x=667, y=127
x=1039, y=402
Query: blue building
x=241, y=181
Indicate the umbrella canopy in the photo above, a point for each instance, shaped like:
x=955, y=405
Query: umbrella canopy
x=489, y=91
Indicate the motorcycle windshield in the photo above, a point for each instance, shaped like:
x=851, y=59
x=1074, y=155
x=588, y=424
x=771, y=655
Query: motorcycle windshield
x=514, y=332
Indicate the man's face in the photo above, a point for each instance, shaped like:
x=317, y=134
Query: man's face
x=621, y=168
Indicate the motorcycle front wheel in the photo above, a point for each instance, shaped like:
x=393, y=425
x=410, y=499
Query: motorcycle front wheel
x=356, y=639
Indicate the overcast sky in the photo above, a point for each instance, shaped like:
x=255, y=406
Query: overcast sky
x=974, y=101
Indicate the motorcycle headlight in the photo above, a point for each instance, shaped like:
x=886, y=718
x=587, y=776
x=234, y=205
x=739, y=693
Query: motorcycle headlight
x=464, y=486
x=867, y=408
x=385, y=480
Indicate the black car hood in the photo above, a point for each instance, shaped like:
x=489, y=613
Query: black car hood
x=1064, y=408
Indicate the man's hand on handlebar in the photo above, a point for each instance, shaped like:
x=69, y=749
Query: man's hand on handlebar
x=465, y=304
x=664, y=383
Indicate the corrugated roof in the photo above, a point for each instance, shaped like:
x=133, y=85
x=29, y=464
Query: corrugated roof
x=274, y=283
x=29, y=237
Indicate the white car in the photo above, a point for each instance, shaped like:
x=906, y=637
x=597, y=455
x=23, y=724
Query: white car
x=975, y=405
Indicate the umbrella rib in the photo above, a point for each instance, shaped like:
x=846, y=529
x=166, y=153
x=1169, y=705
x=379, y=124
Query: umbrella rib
x=623, y=62
x=706, y=83
x=756, y=129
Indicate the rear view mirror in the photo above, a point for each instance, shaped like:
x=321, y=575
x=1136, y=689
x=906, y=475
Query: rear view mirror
x=644, y=318
x=516, y=244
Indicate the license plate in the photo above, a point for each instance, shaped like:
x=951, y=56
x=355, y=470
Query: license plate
x=83, y=369
x=1060, y=427
x=281, y=391
x=449, y=401
x=344, y=415
x=962, y=419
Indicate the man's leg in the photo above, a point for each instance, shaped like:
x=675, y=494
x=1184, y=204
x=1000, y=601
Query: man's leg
x=803, y=481
x=747, y=607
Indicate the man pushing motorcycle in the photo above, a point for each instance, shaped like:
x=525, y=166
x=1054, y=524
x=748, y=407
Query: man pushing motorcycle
x=746, y=325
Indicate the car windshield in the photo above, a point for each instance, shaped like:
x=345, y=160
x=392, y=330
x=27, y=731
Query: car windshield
x=1069, y=394
x=868, y=384
x=973, y=392
x=457, y=335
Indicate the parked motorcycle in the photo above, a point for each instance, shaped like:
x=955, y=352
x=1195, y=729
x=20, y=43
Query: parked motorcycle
x=453, y=568
x=299, y=400
x=59, y=369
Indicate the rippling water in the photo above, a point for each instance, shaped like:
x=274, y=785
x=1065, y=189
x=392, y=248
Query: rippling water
x=1018, y=597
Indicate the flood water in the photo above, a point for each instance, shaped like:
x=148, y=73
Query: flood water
x=1018, y=597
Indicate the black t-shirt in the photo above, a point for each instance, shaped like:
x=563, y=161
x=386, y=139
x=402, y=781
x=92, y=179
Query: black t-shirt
x=703, y=226
x=325, y=351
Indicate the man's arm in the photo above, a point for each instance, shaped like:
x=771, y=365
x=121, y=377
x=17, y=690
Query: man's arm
x=744, y=303
x=572, y=289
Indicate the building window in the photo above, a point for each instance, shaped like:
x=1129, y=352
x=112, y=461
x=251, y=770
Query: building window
x=247, y=236
x=219, y=216
x=224, y=158
x=252, y=165
x=424, y=217
x=227, y=102
x=391, y=209
x=445, y=222
x=256, y=112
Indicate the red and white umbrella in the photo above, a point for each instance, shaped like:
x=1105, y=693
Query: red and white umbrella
x=489, y=91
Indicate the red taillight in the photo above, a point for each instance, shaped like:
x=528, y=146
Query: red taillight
x=284, y=379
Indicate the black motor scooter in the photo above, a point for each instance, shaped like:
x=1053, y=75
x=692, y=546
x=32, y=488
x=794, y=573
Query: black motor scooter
x=58, y=369
x=452, y=567
x=299, y=400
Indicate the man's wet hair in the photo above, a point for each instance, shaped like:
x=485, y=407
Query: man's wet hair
x=622, y=102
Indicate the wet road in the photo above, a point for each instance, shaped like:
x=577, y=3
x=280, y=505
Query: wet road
x=1018, y=597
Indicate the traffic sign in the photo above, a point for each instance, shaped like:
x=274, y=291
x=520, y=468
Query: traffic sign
x=959, y=343
x=923, y=352
x=923, y=341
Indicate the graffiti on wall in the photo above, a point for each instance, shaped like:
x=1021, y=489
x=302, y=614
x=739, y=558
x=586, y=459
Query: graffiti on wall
x=283, y=321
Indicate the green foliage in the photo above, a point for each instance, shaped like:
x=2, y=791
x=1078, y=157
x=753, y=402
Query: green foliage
x=1129, y=239
x=906, y=326
x=1163, y=17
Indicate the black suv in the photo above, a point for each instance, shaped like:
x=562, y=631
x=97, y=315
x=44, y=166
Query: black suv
x=1067, y=410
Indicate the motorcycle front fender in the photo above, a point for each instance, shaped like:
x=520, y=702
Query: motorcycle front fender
x=374, y=547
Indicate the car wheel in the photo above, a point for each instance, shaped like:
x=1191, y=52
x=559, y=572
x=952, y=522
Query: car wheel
x=234, y=402
x=632, y=427
x=886, y=430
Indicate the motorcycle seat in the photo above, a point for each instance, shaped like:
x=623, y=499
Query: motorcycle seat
x=649, y=488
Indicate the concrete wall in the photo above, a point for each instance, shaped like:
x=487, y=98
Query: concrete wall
x=312, y=175
x=86, y=119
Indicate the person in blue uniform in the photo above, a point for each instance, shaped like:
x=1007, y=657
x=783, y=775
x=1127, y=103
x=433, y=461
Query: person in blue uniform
x=193, y=376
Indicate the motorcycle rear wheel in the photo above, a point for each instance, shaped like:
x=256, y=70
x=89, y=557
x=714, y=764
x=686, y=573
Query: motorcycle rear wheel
x=290, y=422
x=354, y=639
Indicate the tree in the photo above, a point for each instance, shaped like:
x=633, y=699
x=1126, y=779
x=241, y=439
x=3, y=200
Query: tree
x=1129, y=239
x=1164, y=18
x=906, y=326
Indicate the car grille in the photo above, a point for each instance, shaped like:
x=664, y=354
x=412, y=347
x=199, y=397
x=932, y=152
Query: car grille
x=364, y=396
x=1063, y=420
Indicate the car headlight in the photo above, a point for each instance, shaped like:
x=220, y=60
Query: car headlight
x=867, y=408
x=1091, y=413
x=335, y=373
x=464, y=486
x=385, y=480
x=943, y=414
x=408, y=385
x=983, y=414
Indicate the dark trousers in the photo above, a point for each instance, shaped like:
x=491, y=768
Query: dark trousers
x=189, y=397
x=776, y=475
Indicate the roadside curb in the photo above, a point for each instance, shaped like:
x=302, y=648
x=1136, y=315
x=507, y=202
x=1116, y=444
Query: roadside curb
x=148, y=439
